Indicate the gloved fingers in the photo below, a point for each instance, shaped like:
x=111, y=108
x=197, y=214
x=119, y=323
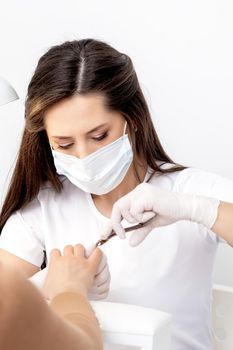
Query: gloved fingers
x=143, y=216
x=103, y=288
x=101, y=283
x=140, y=234
x=113, y=226
x=115, y=223
x=163, y=221
x=102, y=264
x=103, y=271
x=102, y=277
x=117, y=228
x=98, y=292
x=126, y=213
x=109, y=228
x=98, y=296
x=104, y=295
x=100, y=289
x=120, y=211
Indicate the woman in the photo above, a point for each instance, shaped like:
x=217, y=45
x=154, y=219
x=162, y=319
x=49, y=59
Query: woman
x=88, y=141
x=27, y=322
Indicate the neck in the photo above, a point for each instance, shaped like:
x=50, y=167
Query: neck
x=127, y=185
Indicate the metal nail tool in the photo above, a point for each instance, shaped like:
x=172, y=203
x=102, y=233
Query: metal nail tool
x=127, y=229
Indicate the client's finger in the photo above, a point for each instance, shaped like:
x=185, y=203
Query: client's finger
x=55, y=253
x=68, y=250
x=79, y=250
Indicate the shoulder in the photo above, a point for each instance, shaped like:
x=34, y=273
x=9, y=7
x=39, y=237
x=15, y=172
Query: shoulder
x=29, y=218
x=164, y=180
x=201, y=182
x=197, y=181
x=194, y=177
x=32, y=212
x=48, y=200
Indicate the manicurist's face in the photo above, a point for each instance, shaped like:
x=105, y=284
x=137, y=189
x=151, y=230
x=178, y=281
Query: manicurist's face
x=81, y=124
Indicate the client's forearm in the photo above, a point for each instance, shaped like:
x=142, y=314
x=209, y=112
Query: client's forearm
x=28, y=322
x=75, y=309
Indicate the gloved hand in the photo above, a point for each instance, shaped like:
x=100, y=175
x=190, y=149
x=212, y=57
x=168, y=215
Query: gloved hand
x=161, y=208
x=101, y=283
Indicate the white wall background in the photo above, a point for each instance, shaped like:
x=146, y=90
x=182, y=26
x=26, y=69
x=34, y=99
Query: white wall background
x=182, y=51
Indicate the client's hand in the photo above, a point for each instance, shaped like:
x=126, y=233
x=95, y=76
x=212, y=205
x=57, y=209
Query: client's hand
x=72, y=271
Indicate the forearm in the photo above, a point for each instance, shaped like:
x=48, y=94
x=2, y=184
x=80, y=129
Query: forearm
x=75, y=309
x=27, y=322
x=223, y=225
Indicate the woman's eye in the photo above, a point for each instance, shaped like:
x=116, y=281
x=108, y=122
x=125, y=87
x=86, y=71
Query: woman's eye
x=101, y=137
x=65, y=146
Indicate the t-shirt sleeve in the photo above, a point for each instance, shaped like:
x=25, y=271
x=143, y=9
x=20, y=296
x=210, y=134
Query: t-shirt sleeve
x=21, y=239
x=207, y=184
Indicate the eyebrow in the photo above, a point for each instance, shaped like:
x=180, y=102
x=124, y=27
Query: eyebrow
x=89, y=132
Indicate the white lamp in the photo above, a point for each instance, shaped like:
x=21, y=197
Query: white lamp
x=7, y=92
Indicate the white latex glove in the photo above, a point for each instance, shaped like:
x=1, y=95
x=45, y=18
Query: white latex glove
x=101, y=283
x=163, y=207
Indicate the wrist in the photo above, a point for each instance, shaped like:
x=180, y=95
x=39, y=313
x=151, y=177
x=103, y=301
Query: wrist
x=204, y=210
x=68, y=302
x=70, y=290
x=72, y=304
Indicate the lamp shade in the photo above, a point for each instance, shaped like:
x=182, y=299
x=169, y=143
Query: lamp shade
x=7, y=92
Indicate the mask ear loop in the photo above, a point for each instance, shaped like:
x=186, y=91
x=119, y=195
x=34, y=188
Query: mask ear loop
x=125, y=128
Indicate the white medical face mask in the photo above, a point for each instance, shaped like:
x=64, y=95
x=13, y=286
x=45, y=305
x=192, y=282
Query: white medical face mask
x=101, y=171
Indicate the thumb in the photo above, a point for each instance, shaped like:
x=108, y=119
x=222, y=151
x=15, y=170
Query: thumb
x=89, y=250
x=140, y=234
x=95, y=258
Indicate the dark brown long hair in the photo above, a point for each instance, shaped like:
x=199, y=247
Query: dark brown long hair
x=78, y=67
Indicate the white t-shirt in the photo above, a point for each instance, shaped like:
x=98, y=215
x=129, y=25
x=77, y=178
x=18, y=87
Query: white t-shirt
x=171, y=270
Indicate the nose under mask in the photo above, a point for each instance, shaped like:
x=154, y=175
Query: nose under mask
x=101, y=171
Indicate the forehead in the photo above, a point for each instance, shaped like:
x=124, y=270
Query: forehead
x=81, y=112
